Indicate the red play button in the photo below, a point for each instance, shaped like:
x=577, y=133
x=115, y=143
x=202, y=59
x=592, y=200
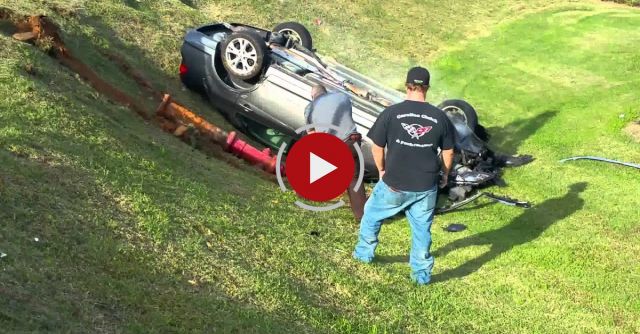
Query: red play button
x=320, y=167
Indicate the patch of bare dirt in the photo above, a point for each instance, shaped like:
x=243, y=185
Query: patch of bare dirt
x=633, y=130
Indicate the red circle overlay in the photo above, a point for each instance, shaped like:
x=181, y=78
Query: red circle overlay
x=328, y=148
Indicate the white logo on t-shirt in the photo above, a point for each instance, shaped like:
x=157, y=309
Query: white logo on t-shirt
x=416, y=130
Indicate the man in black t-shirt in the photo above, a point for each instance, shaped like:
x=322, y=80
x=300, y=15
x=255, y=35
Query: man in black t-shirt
x=419, y=142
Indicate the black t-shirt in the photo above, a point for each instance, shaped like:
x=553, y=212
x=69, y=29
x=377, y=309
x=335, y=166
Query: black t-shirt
x=412, y=132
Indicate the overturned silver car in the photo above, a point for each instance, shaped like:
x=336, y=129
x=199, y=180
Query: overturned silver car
x=261, y=81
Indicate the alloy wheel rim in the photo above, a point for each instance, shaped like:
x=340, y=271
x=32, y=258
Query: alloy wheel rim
x=291, y=34
x=241, y=54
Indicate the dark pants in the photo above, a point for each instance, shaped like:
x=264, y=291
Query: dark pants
x=358, y=198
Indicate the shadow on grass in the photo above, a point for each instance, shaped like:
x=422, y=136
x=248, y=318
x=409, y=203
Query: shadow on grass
x=6, y=28
x=524, y=228
x=507, y=139
x=135, y=4
x=392, y=258
x=83, y=276
x=95, y=269
x=405, y=258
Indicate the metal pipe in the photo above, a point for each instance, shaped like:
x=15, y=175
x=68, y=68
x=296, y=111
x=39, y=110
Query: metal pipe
x=628, y=164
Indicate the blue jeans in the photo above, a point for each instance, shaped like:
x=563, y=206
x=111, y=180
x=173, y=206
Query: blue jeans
x=386, y=202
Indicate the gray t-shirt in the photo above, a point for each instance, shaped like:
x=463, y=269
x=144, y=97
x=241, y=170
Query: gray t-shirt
x=332, y=108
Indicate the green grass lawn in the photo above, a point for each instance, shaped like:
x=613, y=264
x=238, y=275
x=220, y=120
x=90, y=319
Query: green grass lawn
x=139, y=233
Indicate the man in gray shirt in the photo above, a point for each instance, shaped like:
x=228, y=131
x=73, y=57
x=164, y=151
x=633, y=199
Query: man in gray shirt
x=335, y=109
x=330, y=108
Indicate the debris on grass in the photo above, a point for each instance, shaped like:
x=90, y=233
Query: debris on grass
x=25, y=36
x=2, y=255
x=455, y=227
x=496, y=198
x=36, y=239
x=30, y=69
x=180, y=130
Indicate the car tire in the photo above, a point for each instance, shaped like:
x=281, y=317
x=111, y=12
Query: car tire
x=244, y=54
x=299, y=32
x=463, y=109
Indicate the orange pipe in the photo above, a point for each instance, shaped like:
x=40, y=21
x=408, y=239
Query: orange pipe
x=169, y=110
x=173, y=111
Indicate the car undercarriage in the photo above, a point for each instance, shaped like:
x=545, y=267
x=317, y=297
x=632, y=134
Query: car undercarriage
x=261, y=81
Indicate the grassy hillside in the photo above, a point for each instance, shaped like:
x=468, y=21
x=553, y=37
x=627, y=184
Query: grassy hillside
x=137, y=232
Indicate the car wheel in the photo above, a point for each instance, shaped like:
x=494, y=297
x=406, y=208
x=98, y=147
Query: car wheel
x=243, y=54
x=462, y=110
x=297, y=32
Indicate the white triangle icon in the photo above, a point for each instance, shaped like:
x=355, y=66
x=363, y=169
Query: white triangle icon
x=318, y=168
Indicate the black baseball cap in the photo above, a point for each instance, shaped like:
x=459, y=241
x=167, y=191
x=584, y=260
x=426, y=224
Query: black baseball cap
x=418, y=76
